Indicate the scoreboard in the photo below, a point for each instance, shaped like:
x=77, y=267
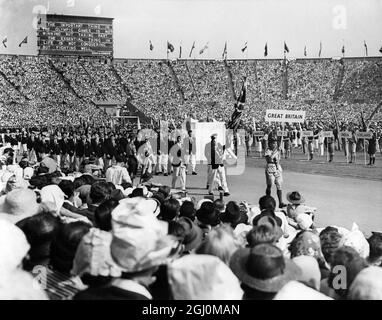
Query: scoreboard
x=75, y=35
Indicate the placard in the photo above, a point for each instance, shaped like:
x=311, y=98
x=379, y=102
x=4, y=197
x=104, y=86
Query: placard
x=282, y=133
x=307, y=133
x=290, y=116
x=345, y=134
x=327, y=134
x=258, y=134
x=364, y=135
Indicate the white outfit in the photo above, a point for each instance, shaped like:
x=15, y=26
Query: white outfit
x=117, y=175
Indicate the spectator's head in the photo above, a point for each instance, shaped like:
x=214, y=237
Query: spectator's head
x=207, y=214
x=232, y=214
x=311, y=275
x=88, y=179
x=375, y=242
x=80, y=181
x=65, y=243
x=193, y=235
x=219, y=242
x=119, y=159
x=165, y=190
x=267, y=203
x=345, y=266
x=263, y=270
x=170, y=210
x=265, y=231
x=220, y=205
x=99, y=192
x=18, y=205
x=367, y=285
x=39, y=231
x=67, y=187
x=102, y=214
x=201, y=277
x=330, y=240
x=187, y=209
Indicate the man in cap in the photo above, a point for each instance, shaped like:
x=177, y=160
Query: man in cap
x=214, y=152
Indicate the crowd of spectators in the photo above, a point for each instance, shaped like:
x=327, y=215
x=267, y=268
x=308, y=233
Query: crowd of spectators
x=56, y=90
x=78, y=236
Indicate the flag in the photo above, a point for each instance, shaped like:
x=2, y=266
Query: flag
x=364, y=43
x=224, y=55
x=319, y=52
x=5, y=40
x=286, y=49
x=266, y=49
x=170, y=47
x=244, y=48
x=192, y=48
x=343, y=49
x=24, y=41
x=305, y=51
x=380, y=50
x=239, y=107
x=203, y=49
x=151, y=46
x=180, y=52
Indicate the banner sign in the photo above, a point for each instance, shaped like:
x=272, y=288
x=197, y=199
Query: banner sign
x=345, y=134
x=327, y=134
x=307, y=133
x=282, y=133
x=364, y=135
x=290, y=116
x=258, y=134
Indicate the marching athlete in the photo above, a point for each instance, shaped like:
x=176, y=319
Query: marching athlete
x=273, y=170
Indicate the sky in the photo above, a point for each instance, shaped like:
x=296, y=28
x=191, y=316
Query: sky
x=299, y=23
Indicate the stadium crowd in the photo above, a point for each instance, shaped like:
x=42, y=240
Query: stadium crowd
x=39, y=90
x=90, y=232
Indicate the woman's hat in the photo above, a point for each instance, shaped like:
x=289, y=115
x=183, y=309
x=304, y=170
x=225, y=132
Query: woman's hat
x=193, y=234
x=295, y=197
x=264, y=268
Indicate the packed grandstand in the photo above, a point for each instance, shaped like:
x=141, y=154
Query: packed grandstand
x=36, y=90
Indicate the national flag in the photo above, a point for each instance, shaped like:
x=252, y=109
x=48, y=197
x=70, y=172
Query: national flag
x=343, y=49
x=170, y=47
x=239, y=107
x=5, y=40
x=380, y=50
x=319, y=52
x=244, y=48
x=224, y=55
x=364, y=43
x=286, y=49
x=24, y=41
x=180, y=52
x=192, y=49
x=151, y=46
x=203, y=49
x=305, y=51
x=266, y=49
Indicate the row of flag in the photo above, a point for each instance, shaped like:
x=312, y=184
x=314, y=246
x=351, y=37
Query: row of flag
x=5, y=40
x=170, y=48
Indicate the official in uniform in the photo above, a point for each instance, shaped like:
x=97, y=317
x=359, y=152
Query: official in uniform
x=190, y=157
x=178, y=164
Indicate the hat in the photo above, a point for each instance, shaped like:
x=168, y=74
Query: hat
x=367, y=285
x=200, y=202
x=18, y=205
x=21, y=285
x=13, y=247
x=93, y=256
x=357, y=241
x=140, y=240
x=295, y=197
x=295, y=290
x=272, y=223
x=28, y=173
x=202, y=277
x=306, y=243
x=311, y=274
x=193, y=234
x=208, y=214
x=263, y=268
x=304, y=221
x=53, y=194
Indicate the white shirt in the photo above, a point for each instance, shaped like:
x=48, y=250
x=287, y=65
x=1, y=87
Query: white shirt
x=117, y=175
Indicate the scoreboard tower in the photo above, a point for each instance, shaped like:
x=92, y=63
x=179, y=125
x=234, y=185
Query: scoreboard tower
x=65, y=35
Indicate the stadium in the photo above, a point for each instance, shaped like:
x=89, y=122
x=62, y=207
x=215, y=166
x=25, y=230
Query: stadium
x=128, y=178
